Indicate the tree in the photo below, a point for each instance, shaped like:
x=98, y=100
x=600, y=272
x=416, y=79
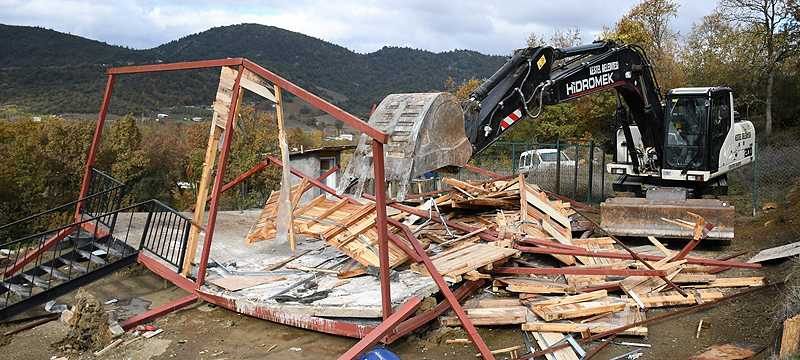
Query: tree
x=655, y=16
x=648, y=25
x=563, y=38
x=774, y=23
x=717, y=52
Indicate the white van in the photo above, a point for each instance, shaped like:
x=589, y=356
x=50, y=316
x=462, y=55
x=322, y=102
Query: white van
x=542, y=159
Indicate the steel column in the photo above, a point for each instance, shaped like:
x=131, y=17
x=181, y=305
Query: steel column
x=218, y=178
x=381, y=225
x=98, y=133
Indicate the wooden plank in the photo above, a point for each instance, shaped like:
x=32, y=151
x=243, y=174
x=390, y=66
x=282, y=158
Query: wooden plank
x=257, y=85
x=238, y=282
x=775, y=253
x=726, y=352
x=594, y=295
x=548, y=339
x=463, y=185
x=227, y=78
x=285, y=199
x=460, y=260
x=732, y=282
x=675, y=299
x=535, y=198
x=490, y=316
x=576, y=310
x=660, y=246
x=790, y=338
x=526, y=220
x=534, y=286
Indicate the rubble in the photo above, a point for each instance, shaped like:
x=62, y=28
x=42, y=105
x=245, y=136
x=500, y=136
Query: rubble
x=543, y=278
x=88, y=325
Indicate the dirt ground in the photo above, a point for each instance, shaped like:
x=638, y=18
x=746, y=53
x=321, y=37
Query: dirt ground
x=206, y=332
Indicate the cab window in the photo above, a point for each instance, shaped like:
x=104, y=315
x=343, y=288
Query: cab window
x=685, y=120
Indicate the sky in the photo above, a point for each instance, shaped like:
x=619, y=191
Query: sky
x=491, y=27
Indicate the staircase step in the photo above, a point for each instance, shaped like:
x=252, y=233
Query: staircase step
x=93, y=258
x=112, y=250
x=54, y=272
x=37, y=281
x=76, y=266
x=21, y=290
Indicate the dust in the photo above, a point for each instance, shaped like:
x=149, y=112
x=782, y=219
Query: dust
x=88, y=326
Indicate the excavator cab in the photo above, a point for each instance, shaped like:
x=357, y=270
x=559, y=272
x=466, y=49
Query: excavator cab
x=703, y=140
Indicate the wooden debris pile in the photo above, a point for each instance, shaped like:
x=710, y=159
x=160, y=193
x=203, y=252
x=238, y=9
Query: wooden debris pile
x=560, y=285
x=548, y=274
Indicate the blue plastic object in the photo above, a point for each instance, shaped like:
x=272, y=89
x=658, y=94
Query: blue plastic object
x=379, y=353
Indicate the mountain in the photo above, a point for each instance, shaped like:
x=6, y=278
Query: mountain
x=51, y=72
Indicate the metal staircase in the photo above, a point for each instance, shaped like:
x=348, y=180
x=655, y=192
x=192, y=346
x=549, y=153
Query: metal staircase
x=102, y=238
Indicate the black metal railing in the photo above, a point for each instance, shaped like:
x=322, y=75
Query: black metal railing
x=51, y=261
x=103, y=183
x=166, y=233
x=105, y=194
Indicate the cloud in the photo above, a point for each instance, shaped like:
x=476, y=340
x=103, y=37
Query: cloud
x=361, y=25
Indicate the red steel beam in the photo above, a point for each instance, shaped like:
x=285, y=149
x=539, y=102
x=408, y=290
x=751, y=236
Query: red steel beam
x=562, y=249
x=383, y=329
x=408, y=326
x=453, y=301
x=159, y=311
x=165, y=272
x=706, y=228
x=398, y=241
x=261, y=165
x=185, y=65
x=317, y=102
x=218, y=178
x=569, y=270
x=381, y=226
x=351, y=329
x=98, y=134
x=31, y=256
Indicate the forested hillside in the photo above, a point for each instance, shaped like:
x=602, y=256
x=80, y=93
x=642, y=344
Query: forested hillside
x=50, y=72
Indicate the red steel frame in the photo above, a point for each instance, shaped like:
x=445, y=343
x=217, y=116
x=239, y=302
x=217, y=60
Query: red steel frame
x=394, y=324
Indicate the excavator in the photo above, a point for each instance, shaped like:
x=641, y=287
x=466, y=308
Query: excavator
x=673, y=152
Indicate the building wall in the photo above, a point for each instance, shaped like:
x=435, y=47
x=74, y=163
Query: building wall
x=307, y=164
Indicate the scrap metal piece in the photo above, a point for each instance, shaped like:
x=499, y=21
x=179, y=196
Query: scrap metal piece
x=643, y=217
x=426, y=133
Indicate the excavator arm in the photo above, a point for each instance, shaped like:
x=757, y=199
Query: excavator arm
x=539, y=76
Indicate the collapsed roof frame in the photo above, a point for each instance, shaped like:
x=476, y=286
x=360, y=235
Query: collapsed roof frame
x=394, y=325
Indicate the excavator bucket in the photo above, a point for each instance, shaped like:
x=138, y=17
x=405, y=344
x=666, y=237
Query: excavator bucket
x=426, y=133
x=641, y=217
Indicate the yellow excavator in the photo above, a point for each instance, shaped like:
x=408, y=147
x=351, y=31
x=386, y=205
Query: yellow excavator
x=672, y=152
